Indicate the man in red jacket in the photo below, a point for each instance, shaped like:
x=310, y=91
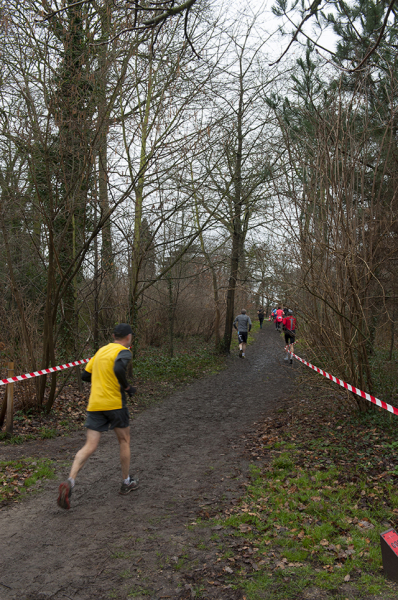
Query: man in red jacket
x=289, y=327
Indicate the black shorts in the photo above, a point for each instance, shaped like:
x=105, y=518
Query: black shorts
x=103, y=420
x=242, y=337
x=290, y=338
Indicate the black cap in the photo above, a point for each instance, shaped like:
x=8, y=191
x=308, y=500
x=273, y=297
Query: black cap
x=122, y=330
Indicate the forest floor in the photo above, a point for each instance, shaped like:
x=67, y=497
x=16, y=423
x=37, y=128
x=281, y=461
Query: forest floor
x=258, y=482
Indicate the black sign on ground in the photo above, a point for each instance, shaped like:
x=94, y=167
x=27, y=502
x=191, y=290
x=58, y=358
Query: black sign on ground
x=389, y=553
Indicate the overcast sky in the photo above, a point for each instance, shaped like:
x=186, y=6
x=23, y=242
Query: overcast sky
x=271, y=26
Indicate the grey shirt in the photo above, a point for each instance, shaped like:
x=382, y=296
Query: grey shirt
x=244, y=323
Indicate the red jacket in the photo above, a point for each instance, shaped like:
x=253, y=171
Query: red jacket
x=279, y=314
x=290, y=323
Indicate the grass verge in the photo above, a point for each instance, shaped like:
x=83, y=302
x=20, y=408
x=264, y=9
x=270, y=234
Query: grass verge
x=17, y=477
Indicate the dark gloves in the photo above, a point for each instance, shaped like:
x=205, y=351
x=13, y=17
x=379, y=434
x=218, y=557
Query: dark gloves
x=86, y=376
x=131, y=391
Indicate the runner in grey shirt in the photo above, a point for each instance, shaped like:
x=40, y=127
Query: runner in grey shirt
x=244, y=325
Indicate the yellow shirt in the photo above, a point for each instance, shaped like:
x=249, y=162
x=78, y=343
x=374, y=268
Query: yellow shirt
x=105, y=388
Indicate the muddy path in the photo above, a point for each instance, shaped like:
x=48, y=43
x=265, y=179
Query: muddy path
x=188, y=454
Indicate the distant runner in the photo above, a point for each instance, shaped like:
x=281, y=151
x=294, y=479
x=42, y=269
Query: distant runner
x=289, y=327
x=243, y=328
x=106, y=409
x=279, y=319
x=260, y=314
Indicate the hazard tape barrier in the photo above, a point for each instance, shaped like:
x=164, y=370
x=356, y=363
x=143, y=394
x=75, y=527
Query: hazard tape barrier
x=349, y=387
x=43, y=372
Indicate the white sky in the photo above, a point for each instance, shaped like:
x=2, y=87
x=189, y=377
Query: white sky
x=270, y=25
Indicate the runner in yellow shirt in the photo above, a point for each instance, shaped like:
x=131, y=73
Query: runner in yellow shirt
x=106, y=408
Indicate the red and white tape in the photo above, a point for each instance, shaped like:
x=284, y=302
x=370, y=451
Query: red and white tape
x=43, y=372
x=340, y=382
x=349, y=387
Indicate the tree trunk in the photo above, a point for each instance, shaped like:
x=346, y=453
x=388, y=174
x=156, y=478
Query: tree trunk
x=392, y=338
x=171, y=317
x=137, y=251
x=3, y=409
x=96, y=293
x=237, y=226
x=230, y=307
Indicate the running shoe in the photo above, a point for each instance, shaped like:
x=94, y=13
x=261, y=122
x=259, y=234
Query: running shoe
x=126, y=488
x=65, y=492
x=240, y=353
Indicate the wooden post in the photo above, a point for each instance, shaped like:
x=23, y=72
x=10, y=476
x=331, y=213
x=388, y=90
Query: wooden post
x=10, y=400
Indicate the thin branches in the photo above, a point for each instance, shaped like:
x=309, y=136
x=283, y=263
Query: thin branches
x=312, y=11
x=377, y=43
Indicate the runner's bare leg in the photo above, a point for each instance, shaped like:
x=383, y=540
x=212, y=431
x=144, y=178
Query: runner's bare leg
x=123, y=437
x=92, y=440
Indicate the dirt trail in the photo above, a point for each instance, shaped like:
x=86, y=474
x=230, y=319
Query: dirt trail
x=187, y=452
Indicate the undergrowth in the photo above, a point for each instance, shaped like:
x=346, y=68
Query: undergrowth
x=193, y=359
x=384, y=374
